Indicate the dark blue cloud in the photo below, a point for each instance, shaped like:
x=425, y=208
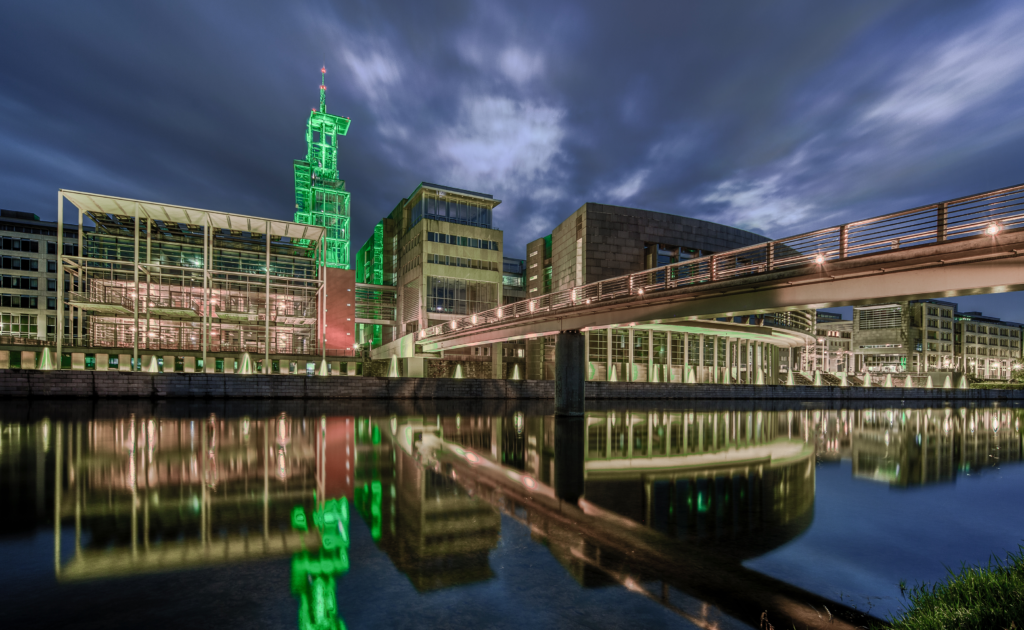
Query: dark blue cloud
x=781, y=117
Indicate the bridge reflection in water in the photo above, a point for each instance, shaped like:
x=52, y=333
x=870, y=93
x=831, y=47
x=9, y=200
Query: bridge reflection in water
x=674, y=501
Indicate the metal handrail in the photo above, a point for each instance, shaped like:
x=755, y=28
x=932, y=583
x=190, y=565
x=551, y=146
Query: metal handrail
x=975, y=216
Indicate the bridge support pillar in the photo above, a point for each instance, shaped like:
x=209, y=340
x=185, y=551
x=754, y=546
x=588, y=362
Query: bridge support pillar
x=570, y=424
x=496, y=361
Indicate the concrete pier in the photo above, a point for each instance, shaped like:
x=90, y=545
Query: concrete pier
x=570, y=373
x=570, y=424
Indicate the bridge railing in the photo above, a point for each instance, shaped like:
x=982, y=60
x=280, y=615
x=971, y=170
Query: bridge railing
x=986, y=215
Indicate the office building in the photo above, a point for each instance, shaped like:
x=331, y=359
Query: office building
x=917, y=336
x=28, y=288
x=441, y=251
x=169, y=288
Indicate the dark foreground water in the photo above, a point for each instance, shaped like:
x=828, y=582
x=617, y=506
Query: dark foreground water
x=183, y=515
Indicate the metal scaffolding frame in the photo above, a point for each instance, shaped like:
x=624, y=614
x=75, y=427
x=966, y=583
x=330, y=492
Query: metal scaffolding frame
x=212, y=266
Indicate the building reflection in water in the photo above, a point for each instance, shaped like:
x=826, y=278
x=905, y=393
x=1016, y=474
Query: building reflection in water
x=158, y=494
x=711, y=488
x=433, y=531
x=672, y=498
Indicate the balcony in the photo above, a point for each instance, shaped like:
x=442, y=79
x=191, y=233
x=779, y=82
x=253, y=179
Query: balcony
x=174, y=305
x=109, y=300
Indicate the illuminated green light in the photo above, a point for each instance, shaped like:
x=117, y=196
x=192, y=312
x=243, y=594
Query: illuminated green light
x=312, y=577
x=299, y=519
x=320, y=195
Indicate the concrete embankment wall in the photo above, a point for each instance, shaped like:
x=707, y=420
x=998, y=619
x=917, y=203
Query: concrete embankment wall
x=85, y=384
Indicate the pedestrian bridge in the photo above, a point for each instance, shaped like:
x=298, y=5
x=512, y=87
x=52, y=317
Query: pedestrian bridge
x=962, y=246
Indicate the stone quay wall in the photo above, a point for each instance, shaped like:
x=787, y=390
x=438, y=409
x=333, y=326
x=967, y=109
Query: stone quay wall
x=37, y=385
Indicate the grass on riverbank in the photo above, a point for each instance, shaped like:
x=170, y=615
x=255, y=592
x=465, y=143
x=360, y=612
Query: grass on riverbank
x=976, y=598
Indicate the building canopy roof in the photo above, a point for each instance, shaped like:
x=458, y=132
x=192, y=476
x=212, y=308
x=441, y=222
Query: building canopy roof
x=168, y=213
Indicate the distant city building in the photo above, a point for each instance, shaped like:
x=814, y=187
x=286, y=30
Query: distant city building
x=825, y=316
x=987, y=346
x=917, y=336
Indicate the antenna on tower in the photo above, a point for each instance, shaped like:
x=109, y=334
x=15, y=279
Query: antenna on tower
x=323, y=89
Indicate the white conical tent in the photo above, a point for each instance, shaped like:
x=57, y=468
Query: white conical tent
x=245, y=364
x=45, y=360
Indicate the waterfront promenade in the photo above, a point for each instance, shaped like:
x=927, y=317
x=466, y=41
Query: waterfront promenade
x=34, y=384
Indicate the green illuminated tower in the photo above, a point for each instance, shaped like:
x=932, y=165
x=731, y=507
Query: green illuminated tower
x=320, y=196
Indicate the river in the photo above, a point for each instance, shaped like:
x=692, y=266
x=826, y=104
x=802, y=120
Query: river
x=445, y=513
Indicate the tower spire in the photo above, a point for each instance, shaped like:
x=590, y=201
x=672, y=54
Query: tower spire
x=323, y=89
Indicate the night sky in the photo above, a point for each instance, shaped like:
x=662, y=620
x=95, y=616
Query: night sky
x=778, y=117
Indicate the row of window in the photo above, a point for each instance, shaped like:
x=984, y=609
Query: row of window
x=22, y=301
x=991, y=330
x=934, y=311
x=464, y=241
x=944, y=336
x=460, y=297
x=1011, y=343
x=992, y=352
x=455, y=261
x=42, y=231
x=24, y=264
x=23, y=245
x=22, y=282
x=452, y=211
x=16, y=324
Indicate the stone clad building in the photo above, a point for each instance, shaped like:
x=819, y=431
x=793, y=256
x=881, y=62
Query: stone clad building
x=601, y=241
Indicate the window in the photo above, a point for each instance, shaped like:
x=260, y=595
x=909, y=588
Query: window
x=931, y=334
x=872, y=319
x=464, y=241
x=51, y=304
x=17, y=324
x=51, y=266
x=932, y=310
x=51, y=249
x=933, y=323
x=51, y=284
x=598, y=346
x=460, y=297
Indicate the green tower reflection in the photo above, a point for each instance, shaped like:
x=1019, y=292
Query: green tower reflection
x=313, y=576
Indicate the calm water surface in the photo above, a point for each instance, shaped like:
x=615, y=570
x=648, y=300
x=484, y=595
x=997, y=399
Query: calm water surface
x=312, y=515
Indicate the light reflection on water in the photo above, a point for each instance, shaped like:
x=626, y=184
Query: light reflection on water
x=685, y=512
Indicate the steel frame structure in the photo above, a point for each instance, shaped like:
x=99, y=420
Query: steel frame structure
x=320, y=195
x=157, y=276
